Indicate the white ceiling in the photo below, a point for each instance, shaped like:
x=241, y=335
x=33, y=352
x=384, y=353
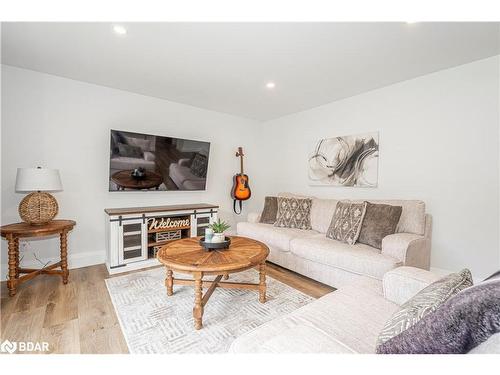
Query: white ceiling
x=225, y=66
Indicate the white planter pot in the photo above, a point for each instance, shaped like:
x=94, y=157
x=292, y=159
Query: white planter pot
x=218, y=237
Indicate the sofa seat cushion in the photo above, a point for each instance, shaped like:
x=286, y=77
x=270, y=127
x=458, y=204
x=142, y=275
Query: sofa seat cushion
x=344, y=321
x=359, y=258
x=277, y=238
x=194, y=184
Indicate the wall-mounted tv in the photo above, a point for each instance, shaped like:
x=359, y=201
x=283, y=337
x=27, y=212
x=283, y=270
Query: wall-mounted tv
x=144, y=162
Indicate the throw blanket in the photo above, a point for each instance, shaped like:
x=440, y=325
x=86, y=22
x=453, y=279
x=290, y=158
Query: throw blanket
x=457, y=326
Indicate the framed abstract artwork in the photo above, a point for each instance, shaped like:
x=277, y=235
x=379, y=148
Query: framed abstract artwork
x=350, y=160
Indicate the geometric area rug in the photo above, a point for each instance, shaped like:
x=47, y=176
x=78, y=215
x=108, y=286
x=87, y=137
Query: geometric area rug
x=152, y=322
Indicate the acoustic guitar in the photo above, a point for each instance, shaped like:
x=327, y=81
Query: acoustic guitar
x=241, y=188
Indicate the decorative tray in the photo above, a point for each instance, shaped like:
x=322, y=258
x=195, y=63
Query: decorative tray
x=209, y=246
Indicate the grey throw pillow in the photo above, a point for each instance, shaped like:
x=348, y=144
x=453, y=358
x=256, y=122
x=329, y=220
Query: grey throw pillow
x=380, y=220
x=461, y=323
x=346, y=222
x=130, y=151
x=423, y=303
x=270, y=211
x=294, y=213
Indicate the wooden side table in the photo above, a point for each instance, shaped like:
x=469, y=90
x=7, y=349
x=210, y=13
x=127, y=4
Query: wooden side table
x=13, y=232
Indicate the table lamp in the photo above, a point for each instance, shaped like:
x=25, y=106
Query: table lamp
x=38, y=207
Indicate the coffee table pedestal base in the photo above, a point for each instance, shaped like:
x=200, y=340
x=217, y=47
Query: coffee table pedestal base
x=200, y=299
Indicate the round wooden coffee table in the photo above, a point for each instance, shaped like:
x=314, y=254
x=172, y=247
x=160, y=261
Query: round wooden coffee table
x=124, y=180
x=187, y=256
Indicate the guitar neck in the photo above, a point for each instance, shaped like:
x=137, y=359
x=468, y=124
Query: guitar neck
x=241, y=164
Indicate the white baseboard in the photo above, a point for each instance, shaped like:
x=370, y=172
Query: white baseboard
x=75, y=260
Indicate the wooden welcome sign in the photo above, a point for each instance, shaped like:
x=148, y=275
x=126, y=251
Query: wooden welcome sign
x=167, y=223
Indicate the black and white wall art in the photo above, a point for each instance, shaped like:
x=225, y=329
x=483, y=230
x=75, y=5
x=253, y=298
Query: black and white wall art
x=345, y=161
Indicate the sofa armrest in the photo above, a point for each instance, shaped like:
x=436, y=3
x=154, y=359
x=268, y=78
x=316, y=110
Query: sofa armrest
x=184, y=162
x=253, y=217
x=402, y=283
x=410, y=249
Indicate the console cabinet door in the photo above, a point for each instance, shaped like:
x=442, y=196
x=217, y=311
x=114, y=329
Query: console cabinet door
x=132, y=241
x=200, y=222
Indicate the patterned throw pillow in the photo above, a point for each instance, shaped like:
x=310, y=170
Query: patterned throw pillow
x=199, y=166
x=346, y=222
x=130, y=151
x=294, y=213
x=423, y=303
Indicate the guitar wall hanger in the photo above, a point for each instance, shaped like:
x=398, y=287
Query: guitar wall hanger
x=241, y=187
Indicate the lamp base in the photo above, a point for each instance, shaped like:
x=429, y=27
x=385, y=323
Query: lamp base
x=38, y=208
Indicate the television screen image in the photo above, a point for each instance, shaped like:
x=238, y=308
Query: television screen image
x=144, y=162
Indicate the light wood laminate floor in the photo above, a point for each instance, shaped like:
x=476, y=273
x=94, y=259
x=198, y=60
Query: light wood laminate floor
x=79, y=317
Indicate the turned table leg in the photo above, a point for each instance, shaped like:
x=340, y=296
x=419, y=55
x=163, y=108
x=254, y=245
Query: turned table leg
x=17, y=256
x=262, y=282
x=198, y=306
x=169, y=282
x=64, y=256
x=13, y=261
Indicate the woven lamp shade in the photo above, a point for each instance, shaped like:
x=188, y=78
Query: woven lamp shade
x=38, y=207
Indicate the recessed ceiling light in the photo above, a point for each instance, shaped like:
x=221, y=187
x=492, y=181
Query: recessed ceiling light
x=120, y=30
x=270, y=85
x=411, y=22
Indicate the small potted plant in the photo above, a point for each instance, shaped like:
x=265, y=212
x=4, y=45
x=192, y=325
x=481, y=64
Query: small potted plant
x=219, y=227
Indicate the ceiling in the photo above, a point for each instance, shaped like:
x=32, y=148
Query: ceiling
x=225, y=66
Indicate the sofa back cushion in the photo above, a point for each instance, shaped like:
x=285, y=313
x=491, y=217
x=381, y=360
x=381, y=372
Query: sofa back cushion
x=145, y=142
x=322, y=212
x=130, y=151
x=412, y=218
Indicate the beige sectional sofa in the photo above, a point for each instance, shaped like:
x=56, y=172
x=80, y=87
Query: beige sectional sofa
x=311, y=253
x=347, y=320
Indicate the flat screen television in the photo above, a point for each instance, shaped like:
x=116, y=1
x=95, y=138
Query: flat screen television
x=144, y=162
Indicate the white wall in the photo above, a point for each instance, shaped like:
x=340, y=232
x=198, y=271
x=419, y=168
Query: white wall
x=439, y=142
x=60, y=123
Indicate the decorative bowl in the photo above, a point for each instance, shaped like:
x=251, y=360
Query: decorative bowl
x=209, y=246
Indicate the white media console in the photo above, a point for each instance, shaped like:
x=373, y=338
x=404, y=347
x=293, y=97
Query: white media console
x=134, y=235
